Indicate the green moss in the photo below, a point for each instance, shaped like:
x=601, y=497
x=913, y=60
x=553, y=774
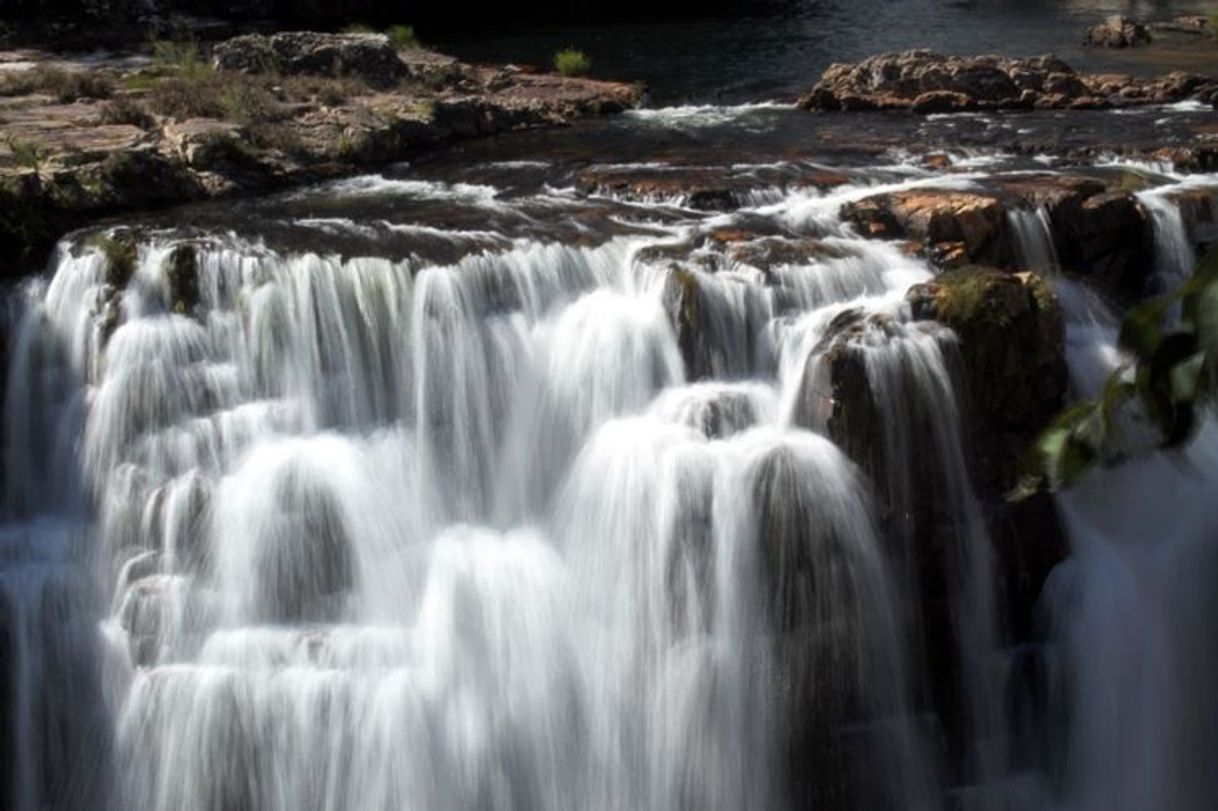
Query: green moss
x=962, y=293
x=182, y=273
x=122, y=257
x=689, y=305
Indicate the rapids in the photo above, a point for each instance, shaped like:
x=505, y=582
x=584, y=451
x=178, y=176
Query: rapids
x=420, y=495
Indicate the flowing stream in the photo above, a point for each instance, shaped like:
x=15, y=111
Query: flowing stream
x=423, y=496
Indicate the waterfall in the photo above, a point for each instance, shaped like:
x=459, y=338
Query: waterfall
x=558, y=512
x=1033, y=233
x=1175, y=256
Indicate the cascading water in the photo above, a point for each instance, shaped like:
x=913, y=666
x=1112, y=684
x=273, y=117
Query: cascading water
x=548, y=516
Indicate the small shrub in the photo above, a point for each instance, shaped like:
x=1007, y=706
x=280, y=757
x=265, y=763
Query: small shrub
x=124, y=110
x=402, y=37
x=179, y=58
x=235, y=97
x=26, y=153
x=570, y=62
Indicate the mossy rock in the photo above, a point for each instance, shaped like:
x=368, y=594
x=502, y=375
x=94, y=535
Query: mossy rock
x=182, y=275
x=683, y=300
x=1012, y=342
x=122, y=257
x=1012, y=338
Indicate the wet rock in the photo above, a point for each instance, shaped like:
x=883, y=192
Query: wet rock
x=1029, y=539
x=686, y=307
x=370, y=57
x=304, y=559
x=816, y=601
x=1117, y=32
x=1107, y=240
x=1012, y=345
x=121, y=253
x=1186, y=24
x=926, y=82
x=701, y=189
x=182, y=277
x=972, y=225
x=769, y=253
x=1199, y=209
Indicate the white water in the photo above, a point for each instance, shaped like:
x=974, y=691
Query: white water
x=356, y=534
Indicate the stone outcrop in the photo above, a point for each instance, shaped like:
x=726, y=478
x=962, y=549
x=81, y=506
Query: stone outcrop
x=1117, y=32
x=1099, y=230
x=922, y=81
x=960, y=227
x=62, y=165
x=370, y=57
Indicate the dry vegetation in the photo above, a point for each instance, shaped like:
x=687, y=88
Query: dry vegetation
x=63, y=85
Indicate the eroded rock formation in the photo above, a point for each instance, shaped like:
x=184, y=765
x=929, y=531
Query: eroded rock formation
x=927, y=82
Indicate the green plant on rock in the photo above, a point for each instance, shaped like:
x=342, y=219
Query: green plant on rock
x=570, y=62
x=1169, y=381
x=122, y=257
x=26, y=153
x=179, y=58
x=402, y=37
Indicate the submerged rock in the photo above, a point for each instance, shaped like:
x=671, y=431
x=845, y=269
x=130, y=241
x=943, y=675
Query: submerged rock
x=1117, y=32
x=926, y=82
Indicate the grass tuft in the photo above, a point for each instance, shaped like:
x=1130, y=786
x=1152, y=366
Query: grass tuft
x=570, y=62
x=402, y=37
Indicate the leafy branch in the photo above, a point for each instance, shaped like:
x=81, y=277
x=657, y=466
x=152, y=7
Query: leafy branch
x=1168, y=380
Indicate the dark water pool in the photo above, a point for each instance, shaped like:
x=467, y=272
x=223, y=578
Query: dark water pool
x=732, y=60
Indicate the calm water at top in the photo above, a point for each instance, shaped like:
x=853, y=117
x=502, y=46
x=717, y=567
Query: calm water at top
x=734, y=60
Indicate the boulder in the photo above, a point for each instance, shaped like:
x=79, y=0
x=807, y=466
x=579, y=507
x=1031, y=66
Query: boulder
x=370, y=57
x=182, y=276
x=1012, y=345
x=817, y=597
x=1105, y=239
x=959, y=226
x=1117, y=32
x=687, y=310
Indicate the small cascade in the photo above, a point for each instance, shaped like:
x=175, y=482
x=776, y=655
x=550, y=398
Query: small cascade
x=1033, y=236
x=1175, y=256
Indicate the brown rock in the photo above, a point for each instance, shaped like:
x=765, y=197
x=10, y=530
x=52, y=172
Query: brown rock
x=973, y=224
x=1117, y=32
x=927, y=82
